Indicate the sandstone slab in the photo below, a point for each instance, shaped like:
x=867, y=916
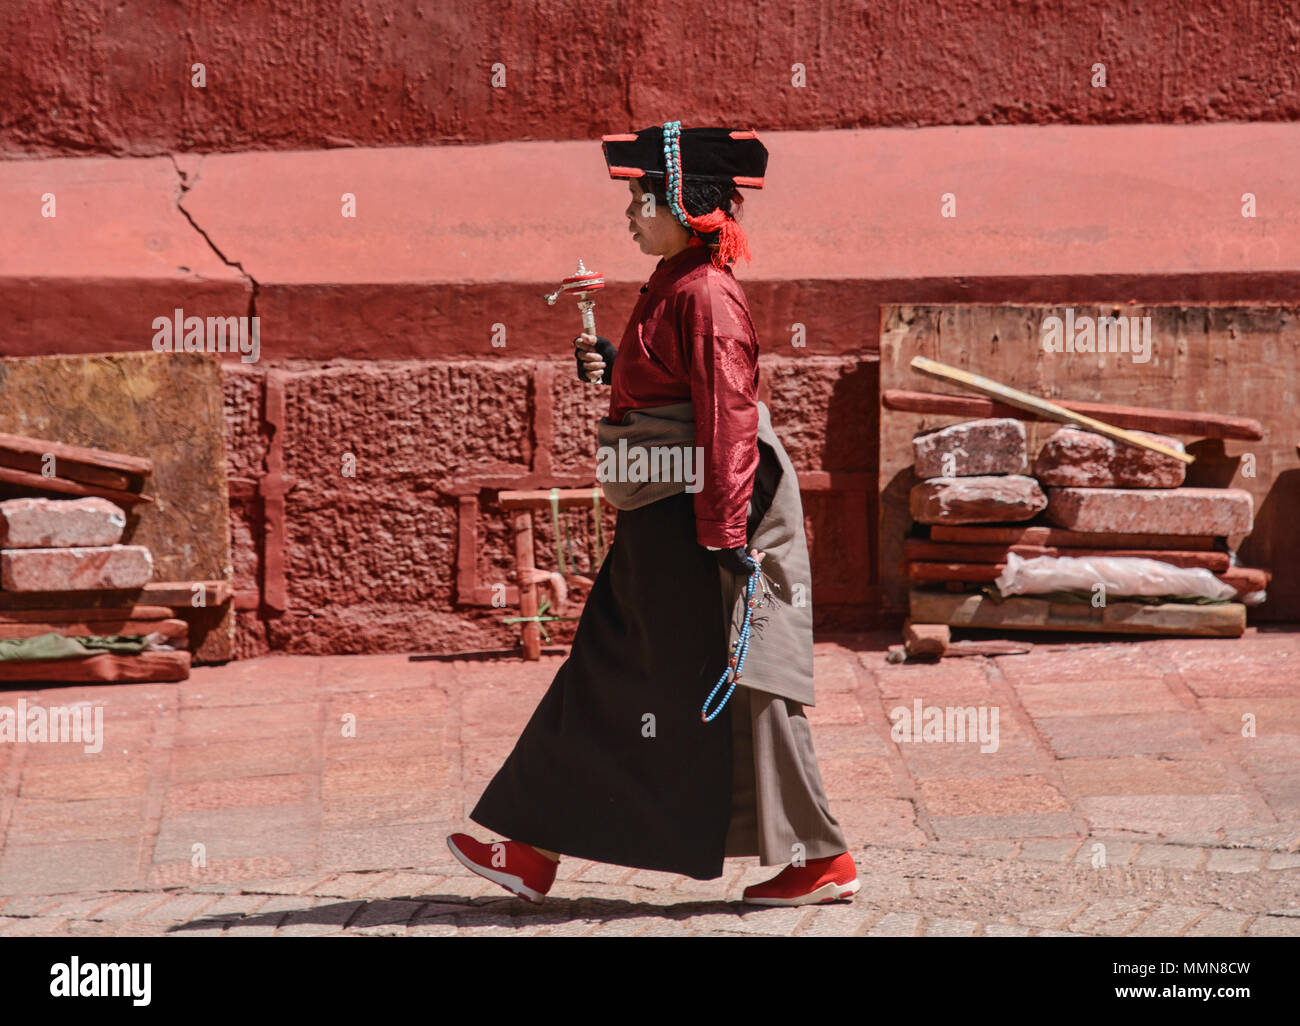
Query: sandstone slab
x=976, y=500
x=1216, y=511
x=995, y=445
x=59, y=523
x=1079, y=458
x=109, y=568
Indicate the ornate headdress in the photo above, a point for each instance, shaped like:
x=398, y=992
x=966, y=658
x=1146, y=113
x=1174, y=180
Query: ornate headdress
x=694, y=154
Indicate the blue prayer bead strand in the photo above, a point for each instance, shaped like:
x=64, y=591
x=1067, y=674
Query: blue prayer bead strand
x=742, y=650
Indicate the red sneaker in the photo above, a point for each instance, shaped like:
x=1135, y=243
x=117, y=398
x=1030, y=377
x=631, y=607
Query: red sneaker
x=820, y=880
x=517, y=867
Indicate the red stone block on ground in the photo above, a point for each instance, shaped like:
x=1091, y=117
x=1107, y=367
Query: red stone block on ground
x=995, y=445
x=1217, y=511
x=1077, y=458
x=100, y=568
x=976, y=500
x=59, y=523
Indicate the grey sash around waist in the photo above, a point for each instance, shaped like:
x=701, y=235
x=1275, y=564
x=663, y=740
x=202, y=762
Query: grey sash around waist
x=780, y=659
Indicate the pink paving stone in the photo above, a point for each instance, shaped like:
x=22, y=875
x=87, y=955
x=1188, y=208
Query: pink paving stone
x=387, y=809
x=966, y=760
x=69, y=781
x=393, y=776
x=1216, y=511
x=230, y=871
x=379, y=744
x=1086, y=698
x=280, y=789
x=1075, y=457
x=835, y=707
x=240, y=758
x=888, y=821
x=59, y=523
x=1134, y=775
x=1122, y=734
x=1271, y=716
x=967, y=796
x=39, y=821
x=286, y=723
x=849, y=776
x=110, y=568
x=976, y=500
x=1039, y=824
x=995, y=445
x=1170, y=815
x=82, y=866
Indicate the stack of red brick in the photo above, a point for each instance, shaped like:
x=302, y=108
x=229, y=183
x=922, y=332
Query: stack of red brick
x=1088, y=496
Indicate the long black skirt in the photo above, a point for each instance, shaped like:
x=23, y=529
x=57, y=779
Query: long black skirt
x=615, y=764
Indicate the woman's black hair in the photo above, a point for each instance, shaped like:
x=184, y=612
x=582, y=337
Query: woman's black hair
x=698, y=197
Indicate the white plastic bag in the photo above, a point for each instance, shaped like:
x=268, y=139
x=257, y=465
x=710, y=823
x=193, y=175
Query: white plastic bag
x=1121, y=575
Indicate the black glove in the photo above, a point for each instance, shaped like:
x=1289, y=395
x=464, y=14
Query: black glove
x=737, y=560
x=607, y=353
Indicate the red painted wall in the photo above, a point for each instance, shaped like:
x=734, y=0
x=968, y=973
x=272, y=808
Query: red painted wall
x=300, y=74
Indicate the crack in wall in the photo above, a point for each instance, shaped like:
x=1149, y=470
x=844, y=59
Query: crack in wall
x=185, y=186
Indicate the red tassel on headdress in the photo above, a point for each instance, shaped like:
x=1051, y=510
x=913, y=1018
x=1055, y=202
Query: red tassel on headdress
x=732, y=244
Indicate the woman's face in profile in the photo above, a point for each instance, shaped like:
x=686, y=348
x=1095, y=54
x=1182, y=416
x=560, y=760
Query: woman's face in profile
x=655, y=231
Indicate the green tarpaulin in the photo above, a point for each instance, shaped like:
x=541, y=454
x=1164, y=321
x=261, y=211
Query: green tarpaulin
x=56, y=646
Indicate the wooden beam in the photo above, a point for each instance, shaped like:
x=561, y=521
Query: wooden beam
x=1039, y=534
x=1136, y=418
x=76, y=455
x=121, y=613
x=1039, y=614
x=106, y=666
x=953, y=552
x=527, y=591
x=65, y=486
x=1050, y=411
x=180, y=594
x=175, y=631
x=541, y=498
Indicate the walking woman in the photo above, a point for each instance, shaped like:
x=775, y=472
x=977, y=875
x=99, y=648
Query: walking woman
x=624, y=761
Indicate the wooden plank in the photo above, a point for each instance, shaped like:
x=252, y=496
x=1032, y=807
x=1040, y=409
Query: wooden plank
x=175, y=631
x=107, y=666
x=541, y=498
x=54, y=614
x=71, y=471
x=1052, y=411
x=532, y=638
x=976, y=573
x=1023, y=613
x=181, y=594
x=1060, y=536
x=1245, y=579
x=988, y=648
x=64, y=486
x=1135, y=418
x=953, y=552
x=78, y=455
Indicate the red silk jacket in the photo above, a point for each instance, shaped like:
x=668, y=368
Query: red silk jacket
x=690, y=337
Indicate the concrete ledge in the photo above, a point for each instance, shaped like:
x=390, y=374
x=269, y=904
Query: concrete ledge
x=449, y=241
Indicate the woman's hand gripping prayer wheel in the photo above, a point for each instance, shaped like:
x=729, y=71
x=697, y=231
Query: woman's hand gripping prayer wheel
x=595, y=358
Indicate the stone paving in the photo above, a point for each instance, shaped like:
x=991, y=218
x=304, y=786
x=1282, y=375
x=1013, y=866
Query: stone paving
x=1138, y=788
